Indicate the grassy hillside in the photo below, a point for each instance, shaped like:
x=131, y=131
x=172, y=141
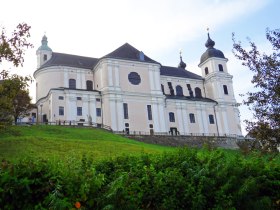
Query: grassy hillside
x=181, y=179
x=52, y=142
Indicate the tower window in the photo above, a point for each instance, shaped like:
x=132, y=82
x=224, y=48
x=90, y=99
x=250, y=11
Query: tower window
x=171, y=117
x=89, y=85
x=192, y=118
x=72, y=83
x=125, y=111
x=197, y=91
x=149, y=110
x=221, y=67
x=60, y=98
x=45, y=57
x=79, y=98
x=211, y=119
x=179, y=90
x=225, y=89
x=206, y=71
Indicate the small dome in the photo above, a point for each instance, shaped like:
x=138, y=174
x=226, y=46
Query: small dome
x=211, y=51
x=182, y=64
x=44, y=45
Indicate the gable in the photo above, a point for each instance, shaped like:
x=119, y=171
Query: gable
x=128, y=52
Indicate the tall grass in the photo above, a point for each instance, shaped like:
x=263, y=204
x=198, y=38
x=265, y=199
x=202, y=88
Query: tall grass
x=58, y=142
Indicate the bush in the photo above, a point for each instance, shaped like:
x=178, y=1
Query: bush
x=185, y=179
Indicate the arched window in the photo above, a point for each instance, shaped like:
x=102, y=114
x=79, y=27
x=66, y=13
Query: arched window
x=72, y=83
x=179, y=90
x=89, y=85
x=206, y=70
x=171, y=117
x=197, y=92
x=221, y=67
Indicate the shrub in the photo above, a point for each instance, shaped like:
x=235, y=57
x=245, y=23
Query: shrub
x=185, y=179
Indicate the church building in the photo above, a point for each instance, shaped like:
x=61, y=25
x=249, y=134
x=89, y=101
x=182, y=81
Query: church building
x=127, y=91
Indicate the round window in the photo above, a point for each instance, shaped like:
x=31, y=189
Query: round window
x=134, y=78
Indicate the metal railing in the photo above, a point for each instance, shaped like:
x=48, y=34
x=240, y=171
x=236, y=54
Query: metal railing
x=69, y=123
x=143, y=133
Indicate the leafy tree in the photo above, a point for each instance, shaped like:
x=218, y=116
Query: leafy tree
x=12, y=49
x=14, y=98
x=264, y=101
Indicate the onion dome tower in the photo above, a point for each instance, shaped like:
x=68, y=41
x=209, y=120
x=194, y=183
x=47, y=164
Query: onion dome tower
x=44, y=52
x=211, y=51
x=218, y=86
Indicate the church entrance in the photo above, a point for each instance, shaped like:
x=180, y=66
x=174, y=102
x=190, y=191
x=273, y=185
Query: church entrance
x=173, y=131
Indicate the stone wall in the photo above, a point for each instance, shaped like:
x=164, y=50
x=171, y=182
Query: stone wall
x=191, y=141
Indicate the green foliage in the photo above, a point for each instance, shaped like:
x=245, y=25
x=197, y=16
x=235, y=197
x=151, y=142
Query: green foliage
x=183, y=179
x=12, y=48
x=62, y=171
x=14, y=97
x=264, y=101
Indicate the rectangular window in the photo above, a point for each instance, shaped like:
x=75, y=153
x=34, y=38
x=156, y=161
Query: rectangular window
x=225, y=89
x=60, y=98
x=79, y=111
x=125, y=111
x=171, y=117
x=98, y=100
x=149, y=110
x=98, y=112
x=45, y=57
x=79, y=98
x=192, y=118
x=61, y=110
x=72, y=83
x=211, y=119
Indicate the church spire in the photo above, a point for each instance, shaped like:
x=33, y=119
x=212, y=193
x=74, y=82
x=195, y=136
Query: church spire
x=209, y=43
x=44, y=44
x=182, y=64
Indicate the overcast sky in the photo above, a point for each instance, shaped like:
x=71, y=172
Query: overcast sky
x=159, y=28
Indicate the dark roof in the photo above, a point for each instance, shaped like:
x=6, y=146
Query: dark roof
x=211, y=52
x=128, y=52
x=188, y=98
x=178, y=72
x=61, y=59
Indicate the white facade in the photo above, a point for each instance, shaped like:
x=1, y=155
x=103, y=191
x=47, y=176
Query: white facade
x=130, y=92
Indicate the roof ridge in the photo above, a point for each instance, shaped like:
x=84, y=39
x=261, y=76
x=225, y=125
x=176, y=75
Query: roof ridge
x=74, y=55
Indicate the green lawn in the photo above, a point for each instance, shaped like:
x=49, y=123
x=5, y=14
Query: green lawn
x=52, y=142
